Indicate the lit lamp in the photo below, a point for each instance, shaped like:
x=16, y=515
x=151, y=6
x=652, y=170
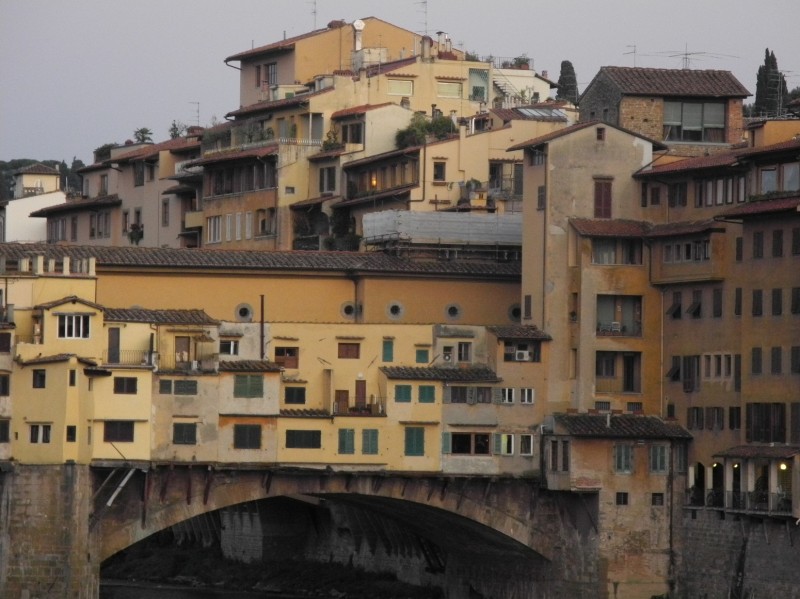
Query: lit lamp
x=783, y=466
x=373, y=181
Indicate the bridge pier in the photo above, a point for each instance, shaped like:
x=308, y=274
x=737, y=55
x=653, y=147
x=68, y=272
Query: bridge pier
x=46, y=548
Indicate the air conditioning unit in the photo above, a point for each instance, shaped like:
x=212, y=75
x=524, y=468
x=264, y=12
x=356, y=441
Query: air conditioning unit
x=447, y=357
x=195, y=365
x=522, y=356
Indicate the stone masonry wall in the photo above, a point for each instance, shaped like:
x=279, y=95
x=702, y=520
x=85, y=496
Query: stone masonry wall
x=739, y=557
x=45, y=548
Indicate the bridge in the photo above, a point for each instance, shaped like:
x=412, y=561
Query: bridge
x=472, y=531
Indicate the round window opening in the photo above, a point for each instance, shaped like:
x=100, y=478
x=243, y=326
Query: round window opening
x=453, y=311
x=515, y=312
x=395, y=310
x=349, y=309
x=244, y=313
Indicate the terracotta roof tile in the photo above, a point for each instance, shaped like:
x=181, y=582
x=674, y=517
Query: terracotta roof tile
x=79, y=205
x=685, y=228
x=762, y=207
x=543, y=139
x=275, y=104
x=605, y=227
x=638, y=81
x=620, y=426
x=195, y=317
x=307, y=413
x=760, y=451
x=257, y=261
x=55, y=358
x=36, y=169
x=519, y=331
x=398, y=193
x=73, y=299
x=234, y=154
x=364, y=108
x=284, y=44
x=152, y=150
x=441, y=373
x=248, y=366
x=387, y=67
x=313, y=202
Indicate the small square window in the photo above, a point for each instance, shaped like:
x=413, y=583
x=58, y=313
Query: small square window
x=422, y=356
x=657, y=499
x=39, y=378
x=184, y=433
x=622, y=498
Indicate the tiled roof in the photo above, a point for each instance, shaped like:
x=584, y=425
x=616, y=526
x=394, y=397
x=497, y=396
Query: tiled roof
x=543, y=139
x=441, y=373
x=79, y=205
x=397, y=193
x=152, y=150
x=327, y=154
x=179, y=188
x=685, y=228
x=620, y=426
x=74, y=299
x=257, y=261
x=313, y=202
x=638, y=81
x=307, y=413
x=761, y=207
x=297, y=100
x=284, y=44
x=227, y=155
x=606, y=227
x=56, y=358
x=760, y=451
x=721, y=160
x=36, y=169
x=519, y=331
x=387, y=67
x=196, y=317
x=364, y=108
x=248, y=366
x=382, y=156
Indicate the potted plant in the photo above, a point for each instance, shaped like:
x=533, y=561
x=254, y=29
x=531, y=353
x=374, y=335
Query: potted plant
x=136, y=233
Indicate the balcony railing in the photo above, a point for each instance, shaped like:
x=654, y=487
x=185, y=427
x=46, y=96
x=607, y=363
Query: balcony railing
x=197, y=362
x=373, y=406
x=130, y=357
x=778, y=504
x=615, y=385
x=618, y=329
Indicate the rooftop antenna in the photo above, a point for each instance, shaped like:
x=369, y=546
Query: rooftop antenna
x=197, y=112
x=314, y=12
x=632, y=52
x=687, y=57
x=424, y=4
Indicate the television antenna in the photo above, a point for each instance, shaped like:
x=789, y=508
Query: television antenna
x=631, y=52
x=424, y=4
x=313, y=4
x=688, y=57
x=196, y=112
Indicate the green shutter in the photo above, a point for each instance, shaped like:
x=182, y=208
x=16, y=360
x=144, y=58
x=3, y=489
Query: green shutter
x=498, y=443
x=346, y=441
x=414, y=441
x=388, y=350
x=497, y=395
x=446, y=443
x=240, y=385
x=402, y=393
x=369, y=441
x=256, y=386
x=427, y=394
x=471, y=392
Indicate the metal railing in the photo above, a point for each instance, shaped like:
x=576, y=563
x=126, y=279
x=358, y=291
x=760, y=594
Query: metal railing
x=372, y=406
x=130, y=357
x=746, y=501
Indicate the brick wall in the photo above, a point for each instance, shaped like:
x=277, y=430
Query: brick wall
x=739, y=557
x=643, y=115
x=45, y=548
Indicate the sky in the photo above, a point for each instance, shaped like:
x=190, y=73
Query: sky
x=77, y=74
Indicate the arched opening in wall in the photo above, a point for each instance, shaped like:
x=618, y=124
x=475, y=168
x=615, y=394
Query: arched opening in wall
x=716, y=496
x=698, y=485
x=375, y=546
x=737, y=500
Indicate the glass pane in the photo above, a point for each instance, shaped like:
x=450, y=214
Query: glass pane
x=713, y=114
x=672, y=113
x=692, y=116
x=791, y=176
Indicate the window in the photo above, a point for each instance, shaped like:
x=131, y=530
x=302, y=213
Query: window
x=776, y=360
x=796, y=241
x=734, y=418
x=73, y=326
x=602, y=406
x=5, y=385
x=716, y=302
x=414, y=441
x=229, y=347
x=602, y=199
x=400, y=87
x=369, y=441
x=739, y=249
x=507, y=395
x=301, y=439
x=634, y=406
x=483, y=395
x=604, y=364
x=247, y=436
x=422, y=356
x=765, y=423
x=503, y=444
x=184, y=433
x=125, y=385
x=677, y=194
x=5, y=431
x=541, y=197
x=777, y=243
x=40, y=433
x=464, y=351
x=118, y=431
x=294, y=395
x=214, y=229
x=737, y=302
x=353, y=133
x=5, y=338
x=138, y=173
x=427, y=394
x=439, y=171
x=621, y=498
x=755, y=361
x=402, y=393
x=795, y=300
x=248, y=385
x=695, y=309
x=73, y=377
x=388, y=350
x=655, y=196
x=448, y=89
x=327, y=179
x=526, y=395
x=758, y=244
x=39, y=378
x=600, y=133
x=623, y=459
x=458, y=394
x=165, y=213
x=527, y=309
x=795, y=359
x=103, y=185
x=349, y=351
x=288, y=357
x=185, y=387
x=675, y=308
x=656, y=499
x=564, y=455
x=690, y=369
x=347, y=441
x=165, y=387
x=658, y=459
x=467, y=443
x=758, y=302
x=526, y=444
x=777, y=302
x=694, y=121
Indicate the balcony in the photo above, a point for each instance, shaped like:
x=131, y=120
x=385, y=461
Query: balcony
x=618, y=329
x=196, y=362
x=130, y=357
x=616, y=385
x=373, y=406
x=749, y=502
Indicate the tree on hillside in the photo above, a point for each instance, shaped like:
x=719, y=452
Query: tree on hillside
x=567, y=83
x=142, y=135
x=771, y=92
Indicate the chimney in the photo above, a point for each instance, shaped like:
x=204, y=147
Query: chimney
x=358, y=30
x=427, y=43
x=544, y=74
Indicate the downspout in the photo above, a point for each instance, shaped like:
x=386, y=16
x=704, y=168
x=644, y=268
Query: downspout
x=544, y=232
x=355, y=278
x=261, y=327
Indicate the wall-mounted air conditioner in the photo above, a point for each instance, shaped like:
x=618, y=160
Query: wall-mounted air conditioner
x=522, y=356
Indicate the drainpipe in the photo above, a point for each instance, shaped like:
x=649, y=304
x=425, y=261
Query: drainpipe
x=261, y=327
x=355, y=278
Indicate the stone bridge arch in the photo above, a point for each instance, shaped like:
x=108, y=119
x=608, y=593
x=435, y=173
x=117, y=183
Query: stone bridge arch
x=510, y=515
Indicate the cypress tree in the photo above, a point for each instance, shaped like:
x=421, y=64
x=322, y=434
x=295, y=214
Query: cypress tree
x=772, y=94
x=567, y=83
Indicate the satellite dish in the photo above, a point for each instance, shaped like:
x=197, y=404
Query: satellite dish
x=358, y=25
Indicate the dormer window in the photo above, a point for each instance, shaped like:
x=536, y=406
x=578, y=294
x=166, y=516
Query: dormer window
x=73, y=326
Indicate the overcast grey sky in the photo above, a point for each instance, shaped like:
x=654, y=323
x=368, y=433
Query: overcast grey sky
x=76, y=74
